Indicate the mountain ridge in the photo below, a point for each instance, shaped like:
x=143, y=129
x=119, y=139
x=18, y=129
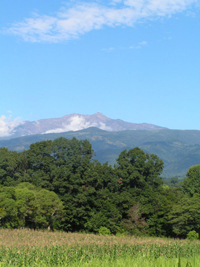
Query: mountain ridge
x=179, y=149
x=76, y=122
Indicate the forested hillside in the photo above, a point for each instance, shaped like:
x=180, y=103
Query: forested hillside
x=58, y=184
x=178, y=149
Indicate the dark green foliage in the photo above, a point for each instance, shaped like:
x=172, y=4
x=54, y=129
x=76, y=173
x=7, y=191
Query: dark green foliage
x=185, y=215
x=58, y=184
x=10, y=166
x=135, y=224
x=178, y=149
x=137, y=170
x=140, y=190
x=191, y=184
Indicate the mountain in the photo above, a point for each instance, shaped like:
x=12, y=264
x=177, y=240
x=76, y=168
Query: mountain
x=177, y=148
x=76, y=122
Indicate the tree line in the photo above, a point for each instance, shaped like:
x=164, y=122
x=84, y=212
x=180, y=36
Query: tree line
x=58, y=185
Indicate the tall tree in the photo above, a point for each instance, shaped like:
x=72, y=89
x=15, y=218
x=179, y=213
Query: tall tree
x=139, y=183
x=191, y=184
x=10, y=169
x=185, y=216
x=136, y=170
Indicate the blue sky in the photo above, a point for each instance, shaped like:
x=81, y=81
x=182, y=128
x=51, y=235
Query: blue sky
x=136, y=60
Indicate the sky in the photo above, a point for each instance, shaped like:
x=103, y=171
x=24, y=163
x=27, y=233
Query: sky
x=134, y=60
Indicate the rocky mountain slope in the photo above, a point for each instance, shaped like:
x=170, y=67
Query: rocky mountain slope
x=76, y=122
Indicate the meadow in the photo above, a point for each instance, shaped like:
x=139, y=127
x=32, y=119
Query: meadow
x=42, y=248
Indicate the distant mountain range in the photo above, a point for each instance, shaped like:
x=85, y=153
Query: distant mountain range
x=178, y=149
x=76, y=122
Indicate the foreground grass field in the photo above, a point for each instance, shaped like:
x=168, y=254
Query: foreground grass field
x=37, y=248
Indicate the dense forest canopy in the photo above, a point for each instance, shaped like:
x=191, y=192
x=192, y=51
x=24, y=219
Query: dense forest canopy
x=177, y=148
x=58, y=184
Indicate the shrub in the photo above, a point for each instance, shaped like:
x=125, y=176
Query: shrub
x=193, y=235
x=122, y=232
x=104, y=231
x=118, y=234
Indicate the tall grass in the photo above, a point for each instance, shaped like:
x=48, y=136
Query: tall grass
x=36, y=248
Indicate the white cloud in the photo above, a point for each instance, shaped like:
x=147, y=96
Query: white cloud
x=78, y=123
x=8, y=125
x=138, y=46
x=110, y=49
x=82, y=17
x=143, y=43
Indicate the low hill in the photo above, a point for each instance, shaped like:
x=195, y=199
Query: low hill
x=178, y=149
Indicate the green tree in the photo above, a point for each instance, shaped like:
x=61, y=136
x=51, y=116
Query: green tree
x=135, y=224
x=61, y=166
x=10, y=169
x=28, y=206
x=173, y=181
x=138, y=182
x=94, y=195
x=49, y=209
x=137, y=170
x=25, y=202
x=156, y=208
x=8, y=207
x=185, y=216
x=191, y=184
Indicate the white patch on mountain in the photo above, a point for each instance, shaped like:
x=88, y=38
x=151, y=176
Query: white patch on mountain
x=77, y=123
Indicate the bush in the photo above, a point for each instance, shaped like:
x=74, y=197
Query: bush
x=193, y=235
x=104, y=231
x=122, y=232
x=118, y=234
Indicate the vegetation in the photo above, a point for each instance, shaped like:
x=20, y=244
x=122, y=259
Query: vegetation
x=57, y=185
x=42, y=248
x=94, y=195
x=26, y=205
x=193, y=235
x=178, y=149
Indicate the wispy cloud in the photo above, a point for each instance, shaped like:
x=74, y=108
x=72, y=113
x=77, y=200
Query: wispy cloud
x=138, y=46
x=110, y=49
x=143, y=43
x=8, y=125
x=72, y=21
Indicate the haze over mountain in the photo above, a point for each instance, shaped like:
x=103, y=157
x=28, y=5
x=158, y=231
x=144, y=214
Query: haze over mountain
x=75, y=122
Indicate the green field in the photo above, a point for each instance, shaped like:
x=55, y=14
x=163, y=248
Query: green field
x=43, y=248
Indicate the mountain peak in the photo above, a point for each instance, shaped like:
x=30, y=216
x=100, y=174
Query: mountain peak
x=76, y=122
